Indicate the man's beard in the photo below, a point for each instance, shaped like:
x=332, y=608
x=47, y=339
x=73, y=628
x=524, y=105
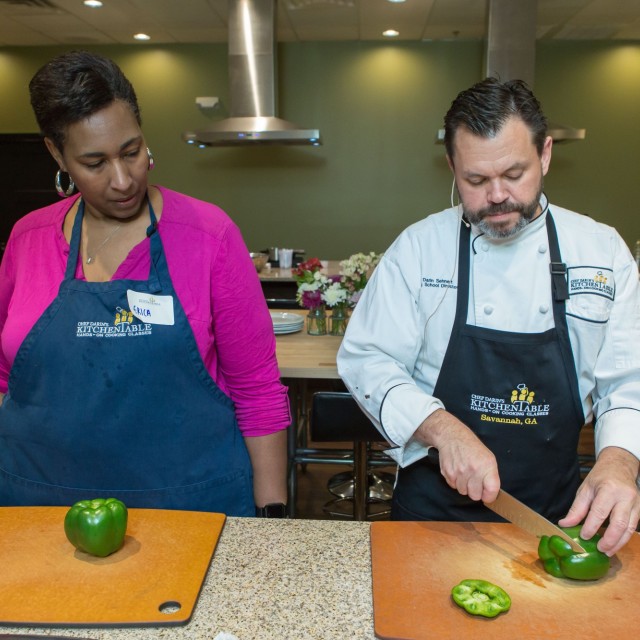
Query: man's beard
x=482, y=218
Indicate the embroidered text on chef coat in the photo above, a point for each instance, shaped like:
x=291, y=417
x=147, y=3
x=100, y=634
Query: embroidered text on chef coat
x=592, y=280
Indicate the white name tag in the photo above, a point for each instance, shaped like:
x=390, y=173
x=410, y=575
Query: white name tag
x=150, y=308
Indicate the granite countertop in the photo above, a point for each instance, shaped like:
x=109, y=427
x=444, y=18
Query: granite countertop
x=272, y=579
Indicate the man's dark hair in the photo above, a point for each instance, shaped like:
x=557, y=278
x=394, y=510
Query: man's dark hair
x=486, y=106
x=74, y=86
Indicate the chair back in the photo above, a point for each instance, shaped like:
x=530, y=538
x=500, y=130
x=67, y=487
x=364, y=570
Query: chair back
x=336, y=417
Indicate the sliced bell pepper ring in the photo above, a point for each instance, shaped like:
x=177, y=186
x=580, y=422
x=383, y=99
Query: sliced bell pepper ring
x=97, y=526
x=561, y=561
x=481, y=598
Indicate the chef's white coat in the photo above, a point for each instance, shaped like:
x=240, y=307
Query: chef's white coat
x=397, y=336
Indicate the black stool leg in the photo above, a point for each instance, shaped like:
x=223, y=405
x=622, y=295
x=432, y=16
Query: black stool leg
x=361, y=481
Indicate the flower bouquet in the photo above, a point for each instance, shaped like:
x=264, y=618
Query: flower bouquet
x=311, y=286
x=339, y=292
x=336, y=296
x=356, y=271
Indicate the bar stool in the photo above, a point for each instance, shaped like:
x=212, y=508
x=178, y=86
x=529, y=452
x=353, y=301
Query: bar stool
x=336, y=417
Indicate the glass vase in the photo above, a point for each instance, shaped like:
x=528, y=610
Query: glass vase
x=317, y=322
x=338, y=321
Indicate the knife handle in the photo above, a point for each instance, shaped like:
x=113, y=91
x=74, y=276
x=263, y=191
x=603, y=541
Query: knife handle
x=458, y=500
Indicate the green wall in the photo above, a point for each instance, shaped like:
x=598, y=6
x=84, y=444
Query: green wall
x=378, y=107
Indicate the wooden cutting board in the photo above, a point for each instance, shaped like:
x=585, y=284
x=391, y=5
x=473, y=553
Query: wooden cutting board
x=416, y=564
x=154, y=579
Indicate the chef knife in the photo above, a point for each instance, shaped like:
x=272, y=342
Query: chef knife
x=518, y=513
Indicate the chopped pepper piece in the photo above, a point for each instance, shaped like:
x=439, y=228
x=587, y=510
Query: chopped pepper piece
x=561, y=561
x=481, y=598
x=97, y=526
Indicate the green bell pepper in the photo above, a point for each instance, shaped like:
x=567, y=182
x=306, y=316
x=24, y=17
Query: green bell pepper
x=481, y=598
x=97, y=526
x=561, y=561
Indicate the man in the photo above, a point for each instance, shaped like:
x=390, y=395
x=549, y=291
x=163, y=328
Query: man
x=494, y=330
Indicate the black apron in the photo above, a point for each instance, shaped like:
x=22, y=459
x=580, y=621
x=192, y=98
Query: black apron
x=109, y=396
x=518, y=392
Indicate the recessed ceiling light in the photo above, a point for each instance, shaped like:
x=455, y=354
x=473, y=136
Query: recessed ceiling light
x=94, y=4
x=390, y=33
x=398, y=1
x=141, y=36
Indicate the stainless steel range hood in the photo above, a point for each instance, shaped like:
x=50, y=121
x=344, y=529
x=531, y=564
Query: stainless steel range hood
x=511, y=52
x=252, y=75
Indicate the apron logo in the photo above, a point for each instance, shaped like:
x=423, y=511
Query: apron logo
x=122, y=315
x=124, y=325
x=592, y=280
x=519, y=408
x=522, y=394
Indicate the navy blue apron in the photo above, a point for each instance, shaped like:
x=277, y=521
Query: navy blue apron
x=103, y=403
x=518, y=392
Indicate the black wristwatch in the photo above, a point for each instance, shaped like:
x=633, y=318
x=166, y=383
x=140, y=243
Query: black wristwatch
x=273, y=510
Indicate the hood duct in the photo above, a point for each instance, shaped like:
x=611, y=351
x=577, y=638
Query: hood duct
x=252, y=76
x=511, y=51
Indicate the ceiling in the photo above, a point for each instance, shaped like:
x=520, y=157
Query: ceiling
x=69, y=22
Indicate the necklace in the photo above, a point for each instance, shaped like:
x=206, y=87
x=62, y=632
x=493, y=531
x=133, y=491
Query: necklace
x=92, y=258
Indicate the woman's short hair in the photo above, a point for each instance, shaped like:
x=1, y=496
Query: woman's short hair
x=74, y=86
x=486, y=106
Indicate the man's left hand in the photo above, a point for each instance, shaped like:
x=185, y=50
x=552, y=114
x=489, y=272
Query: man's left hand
x=609, y=491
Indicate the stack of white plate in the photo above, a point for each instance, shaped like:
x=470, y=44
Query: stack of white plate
x=286, y=322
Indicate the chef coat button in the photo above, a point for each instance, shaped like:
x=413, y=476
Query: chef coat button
x=544, y=308
x=485, y=247
x=488, y=309
x=542, y=248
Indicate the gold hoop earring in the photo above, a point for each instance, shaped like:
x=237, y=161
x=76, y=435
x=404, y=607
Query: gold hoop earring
x=152, y=162
x=64, y=193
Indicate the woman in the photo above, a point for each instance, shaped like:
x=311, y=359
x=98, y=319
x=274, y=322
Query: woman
x=137, y=348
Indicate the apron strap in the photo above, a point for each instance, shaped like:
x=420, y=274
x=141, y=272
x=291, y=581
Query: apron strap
x=557, y=268
x=158, y=272
x=464, y=266
x=159, y=266
x=560, y=290
x=74, y=244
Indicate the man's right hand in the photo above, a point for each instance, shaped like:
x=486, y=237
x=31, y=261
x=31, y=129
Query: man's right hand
x=466, y=464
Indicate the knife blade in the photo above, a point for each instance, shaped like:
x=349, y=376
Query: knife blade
x=526, y=518
x=518, y=513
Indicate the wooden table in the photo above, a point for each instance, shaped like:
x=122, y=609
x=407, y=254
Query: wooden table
x=301, y=358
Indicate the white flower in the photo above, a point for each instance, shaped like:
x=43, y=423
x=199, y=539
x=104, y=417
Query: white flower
x=319, y=282
x=357, y=269
x=334, y=294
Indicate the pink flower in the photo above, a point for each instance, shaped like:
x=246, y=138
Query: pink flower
x=311, y=299
x=355, y=296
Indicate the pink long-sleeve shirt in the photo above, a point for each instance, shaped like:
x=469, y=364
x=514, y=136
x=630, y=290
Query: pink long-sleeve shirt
x=214, y=279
